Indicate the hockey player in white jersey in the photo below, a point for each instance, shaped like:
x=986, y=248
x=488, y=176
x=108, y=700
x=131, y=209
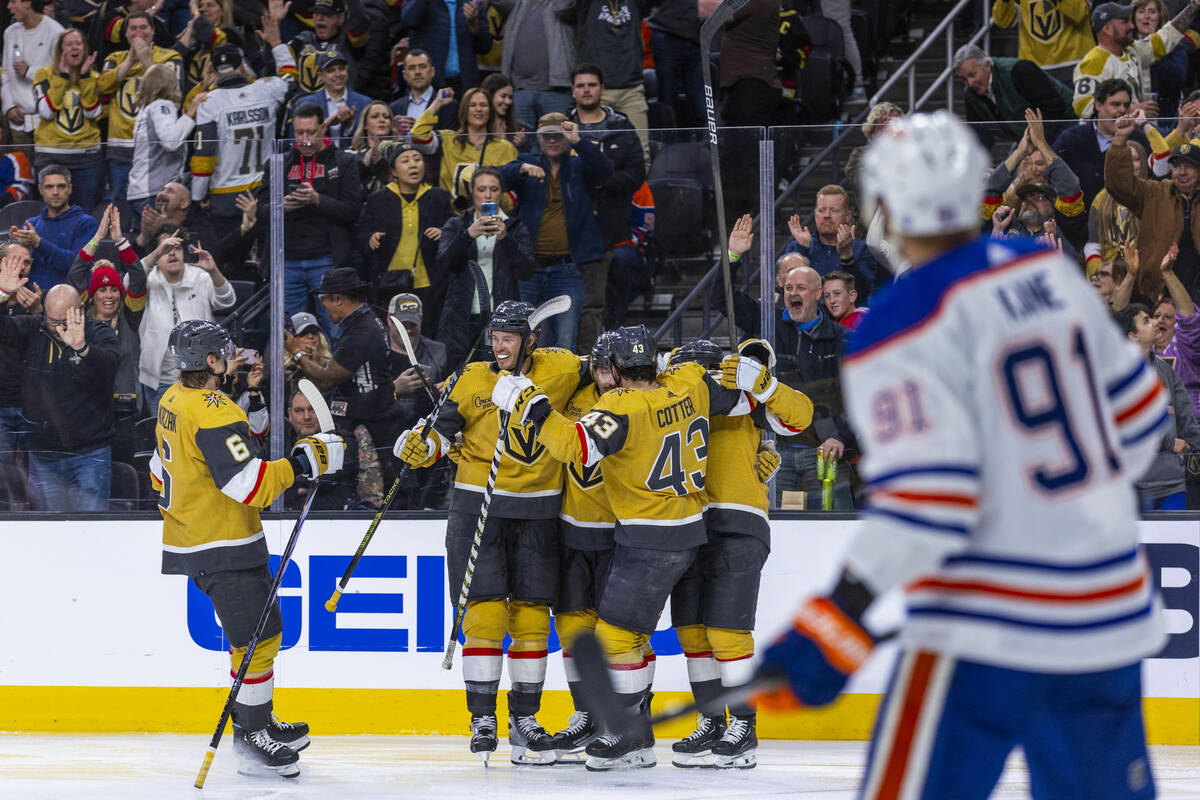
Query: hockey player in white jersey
x=1004, y=419
x=235, y=125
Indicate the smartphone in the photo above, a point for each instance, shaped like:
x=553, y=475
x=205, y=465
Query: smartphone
x=487, y=210
x=444, y=94
x=251, y=357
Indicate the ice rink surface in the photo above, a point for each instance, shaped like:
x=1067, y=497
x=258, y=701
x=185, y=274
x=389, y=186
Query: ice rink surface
x=160, y=766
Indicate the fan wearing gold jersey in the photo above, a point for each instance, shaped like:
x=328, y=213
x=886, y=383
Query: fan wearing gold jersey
x=654, y=433
x=516, y=577
x=713, y=605
x=212, y=486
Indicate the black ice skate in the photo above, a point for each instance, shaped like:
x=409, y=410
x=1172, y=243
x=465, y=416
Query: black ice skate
x=569, y=743
x=293, y=734
x=738, y=746
x=629, y=750
x=483, y=736
x=258, y=753
x=530, y=742
x=696, y=749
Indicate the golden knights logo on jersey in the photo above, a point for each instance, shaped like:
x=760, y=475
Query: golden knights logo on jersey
x=216, y=399
x=127, y=95
x=585, y=477
x=308, y=76
x=1045, y=20
x=69, y=118
x=522, y=445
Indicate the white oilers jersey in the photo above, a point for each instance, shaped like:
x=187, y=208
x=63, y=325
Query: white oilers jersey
x=1004, y=418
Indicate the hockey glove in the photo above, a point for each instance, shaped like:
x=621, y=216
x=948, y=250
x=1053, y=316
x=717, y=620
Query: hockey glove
x=760, y=350
x=416, y=451
x=766, y=463
x=454, y=453
x=818, y=656
x=748, y=375
x=516, y=394
x=319, y=454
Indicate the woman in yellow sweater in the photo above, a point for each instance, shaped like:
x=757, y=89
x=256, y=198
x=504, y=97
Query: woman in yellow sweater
x=472, y=144
x=68, y=103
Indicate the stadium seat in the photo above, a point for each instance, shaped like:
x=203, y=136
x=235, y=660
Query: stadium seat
x=16, y=213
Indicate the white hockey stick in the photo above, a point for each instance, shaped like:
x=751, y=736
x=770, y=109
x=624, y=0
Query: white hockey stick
x=412, y=358
x=319, y=407
x=550, y=308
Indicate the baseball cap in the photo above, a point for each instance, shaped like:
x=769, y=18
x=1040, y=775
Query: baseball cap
x=226, y=58
x=551, y=123
x=303, y=321
x=1030, y=187
x=1187, y=153
x=1106, y=11
x=330, y=6
x=406, y=308
x=331, y=56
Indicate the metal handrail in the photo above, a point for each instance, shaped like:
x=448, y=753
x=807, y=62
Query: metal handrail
x=908, y=68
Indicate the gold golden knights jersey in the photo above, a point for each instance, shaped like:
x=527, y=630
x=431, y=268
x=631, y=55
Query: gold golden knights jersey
x=529, y=481
x=211, y=484
x=587, y=519
x=68, y=112
x=1054, y=33
x=122, y=94
x=656, y=445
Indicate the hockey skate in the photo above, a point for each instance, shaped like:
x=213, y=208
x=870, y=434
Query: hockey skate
x=293, y=734
x=530, y=742
x=696, y=749
x=259, y=754
x=632, y=749
x=569, y=743
x=483, y=736
x=738, y=746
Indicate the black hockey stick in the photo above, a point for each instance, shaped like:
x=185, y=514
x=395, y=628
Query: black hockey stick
x=600, y=698
x=485, y=308
x=721, y=15
x=550, y=308
x=325, y=420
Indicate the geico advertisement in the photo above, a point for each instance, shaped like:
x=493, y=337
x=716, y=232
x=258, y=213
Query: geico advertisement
x=87, y=605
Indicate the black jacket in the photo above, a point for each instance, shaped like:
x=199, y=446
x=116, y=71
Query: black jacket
x=67, y=399
x=812, y=362
x=1080, y=149
x=384, y=212
x=617, y=139
x=324, y=229
x=512, y=261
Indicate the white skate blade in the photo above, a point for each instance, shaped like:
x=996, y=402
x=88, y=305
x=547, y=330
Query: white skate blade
x=484, y=755
x=523, y=756
x=254, y=769
x=705, y=760
x=746, y=760
x=575, y=758
x=638, y=759
x=300, y=743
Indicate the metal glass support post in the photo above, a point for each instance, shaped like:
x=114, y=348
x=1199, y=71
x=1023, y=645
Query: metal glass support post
x=766, y=255
x=275, y=166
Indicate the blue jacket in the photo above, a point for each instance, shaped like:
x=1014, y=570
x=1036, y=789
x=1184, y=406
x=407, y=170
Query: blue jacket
x=62, y=238
x=1080, y=149
x=429, y=24
x=579, y=176
x=356, y=101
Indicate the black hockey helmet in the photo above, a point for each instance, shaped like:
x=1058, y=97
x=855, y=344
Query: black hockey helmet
x=602, y=350
x=192, y=340
x=631, y=347
x=704, y=352
x=511, y=316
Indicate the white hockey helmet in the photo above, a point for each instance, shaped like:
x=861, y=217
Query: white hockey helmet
x=928, y=169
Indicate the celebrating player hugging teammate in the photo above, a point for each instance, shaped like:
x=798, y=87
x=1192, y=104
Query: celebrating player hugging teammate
x=516, y=576
x=212, y=486
x=653, y=433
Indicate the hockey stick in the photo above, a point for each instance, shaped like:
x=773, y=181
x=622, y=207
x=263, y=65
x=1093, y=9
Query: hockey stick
x=412, y=358
x=600, y=698
x=485, y=307
x=325, y=419
x=720, y=15
x=550, y=308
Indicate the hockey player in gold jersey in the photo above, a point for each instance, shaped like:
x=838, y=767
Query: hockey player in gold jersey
x=654, y=433
x=516, y=577
x=211, y=487
x=713, y=605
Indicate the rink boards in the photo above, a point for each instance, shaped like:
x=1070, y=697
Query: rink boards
x=95, y=639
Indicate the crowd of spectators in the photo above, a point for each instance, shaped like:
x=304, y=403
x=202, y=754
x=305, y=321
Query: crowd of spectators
x=422, y=136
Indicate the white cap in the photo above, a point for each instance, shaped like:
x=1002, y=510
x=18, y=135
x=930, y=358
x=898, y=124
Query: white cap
x=928, y=169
